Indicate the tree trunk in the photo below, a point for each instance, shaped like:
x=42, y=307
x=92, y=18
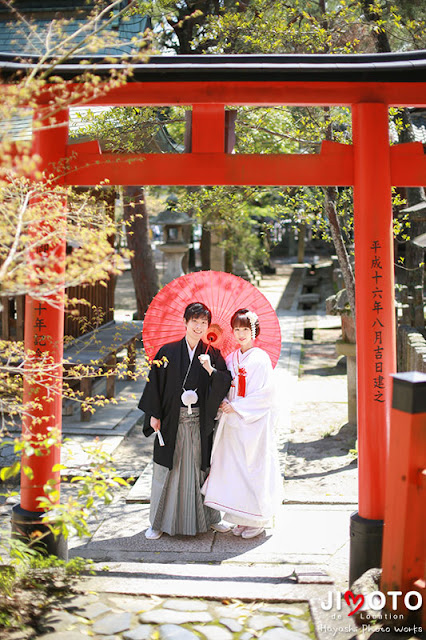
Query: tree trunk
x=144, y=273
x=380, y=36
x=336, y=234
x=339, y=245
x=414, y=255
x=330, y=207
x=205, y=246
x=412, y=273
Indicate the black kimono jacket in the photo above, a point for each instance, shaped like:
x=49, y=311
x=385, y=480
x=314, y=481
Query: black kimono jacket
x=162, y=396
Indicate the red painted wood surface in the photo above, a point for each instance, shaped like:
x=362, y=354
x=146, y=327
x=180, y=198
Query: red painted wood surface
x=375, y=311
x=44, y=332
x=410, y=94
x=213, y=168
x=404, y=539
x=208, y=128
x=333, y=166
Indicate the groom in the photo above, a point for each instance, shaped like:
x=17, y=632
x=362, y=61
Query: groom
x=180, y=401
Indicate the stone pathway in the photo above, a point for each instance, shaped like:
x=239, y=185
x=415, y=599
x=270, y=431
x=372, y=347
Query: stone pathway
x=222, y=583
x=115, y=617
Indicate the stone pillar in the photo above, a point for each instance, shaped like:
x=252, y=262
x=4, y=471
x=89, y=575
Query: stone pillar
x=217, y=253
x=347, y=347
x=173, y=255
x=301, y=239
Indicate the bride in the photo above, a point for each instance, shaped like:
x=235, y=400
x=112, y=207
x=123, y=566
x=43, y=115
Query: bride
x=244, y=479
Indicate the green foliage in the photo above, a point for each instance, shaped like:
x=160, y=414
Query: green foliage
x=306, y=204
x=72, y=568
x=299, y=26
x=261, y=26
x=283, y=129
x=133, y=129
x=181, y=27
x=29, y=589
x=94, y=489
x=233, y=214
x=24, y=566
x=305, y=26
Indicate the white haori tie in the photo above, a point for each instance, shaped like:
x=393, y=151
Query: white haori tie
x=189, y=396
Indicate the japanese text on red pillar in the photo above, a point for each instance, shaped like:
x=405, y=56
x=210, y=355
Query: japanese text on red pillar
x=378, y=326
x=39, y=335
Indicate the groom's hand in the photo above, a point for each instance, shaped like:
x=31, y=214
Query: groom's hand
x=155, y=423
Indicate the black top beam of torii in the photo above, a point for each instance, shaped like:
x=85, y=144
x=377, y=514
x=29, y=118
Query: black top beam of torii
x=404, y=67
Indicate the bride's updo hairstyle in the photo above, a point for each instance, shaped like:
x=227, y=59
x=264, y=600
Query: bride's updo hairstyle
x=246, y=318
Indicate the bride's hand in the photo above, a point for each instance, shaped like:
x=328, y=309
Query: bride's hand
x=227, y=408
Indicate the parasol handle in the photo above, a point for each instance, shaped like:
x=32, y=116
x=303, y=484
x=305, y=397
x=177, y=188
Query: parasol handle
x=211, y=339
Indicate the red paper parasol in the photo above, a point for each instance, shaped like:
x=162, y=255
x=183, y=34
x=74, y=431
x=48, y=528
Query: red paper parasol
x=223, y=293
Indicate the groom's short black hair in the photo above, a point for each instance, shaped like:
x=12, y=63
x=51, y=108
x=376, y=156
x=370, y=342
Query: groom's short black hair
x=197, y=310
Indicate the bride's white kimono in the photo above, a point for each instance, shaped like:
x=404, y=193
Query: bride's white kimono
x=244, y=480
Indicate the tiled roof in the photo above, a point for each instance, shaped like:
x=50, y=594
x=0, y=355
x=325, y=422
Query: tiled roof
x=418, y=121
x=418, y=118
x=28, y=37
x=420, y=134
x=20, y=128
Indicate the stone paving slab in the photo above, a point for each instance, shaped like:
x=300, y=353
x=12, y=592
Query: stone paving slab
x=129, y=617
x=311, y=533
x=121, y=427
x=141, y=490
x=75, y=451
x=289, y=276
x=321, y=391
x=197, y=585
x=291, y=573
x=111, y=416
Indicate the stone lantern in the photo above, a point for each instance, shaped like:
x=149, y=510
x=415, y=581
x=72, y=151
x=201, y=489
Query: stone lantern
x=174, y=246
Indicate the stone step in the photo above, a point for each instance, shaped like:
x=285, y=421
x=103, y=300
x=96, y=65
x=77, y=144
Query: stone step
x=309, y=298
x=225, y=580
x=141, y=490
x=311, y=279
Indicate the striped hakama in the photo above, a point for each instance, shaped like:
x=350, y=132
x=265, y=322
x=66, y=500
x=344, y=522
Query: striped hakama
x=177, y=505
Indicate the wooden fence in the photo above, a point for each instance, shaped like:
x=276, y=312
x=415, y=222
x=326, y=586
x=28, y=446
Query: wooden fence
x=79, y=319
x=411, y=355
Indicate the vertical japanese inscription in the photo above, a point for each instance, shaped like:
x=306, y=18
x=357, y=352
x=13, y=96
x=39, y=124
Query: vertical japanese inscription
x=378, y=326
x=40, y=337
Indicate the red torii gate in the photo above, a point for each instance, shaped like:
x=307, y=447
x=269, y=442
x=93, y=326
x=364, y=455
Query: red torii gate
x=369, y=85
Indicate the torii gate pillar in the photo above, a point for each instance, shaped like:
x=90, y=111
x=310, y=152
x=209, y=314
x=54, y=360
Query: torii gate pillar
x=375, y=324
x=44, y=338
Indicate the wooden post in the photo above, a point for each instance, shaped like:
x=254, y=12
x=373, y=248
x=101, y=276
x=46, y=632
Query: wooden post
x=404, y=539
